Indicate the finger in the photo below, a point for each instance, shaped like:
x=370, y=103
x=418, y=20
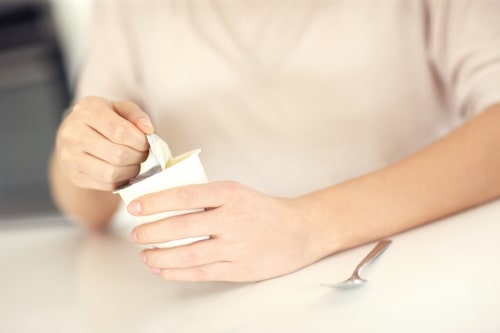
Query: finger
x=133, y=113
x=86, y=139
x=102, y=117
x=208, y=195
x=186, y=256
x=114, y=154
x=176, y=227
x=217, y=271
x=102, y=171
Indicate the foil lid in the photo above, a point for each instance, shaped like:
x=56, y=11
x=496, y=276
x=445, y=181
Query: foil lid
x=159, y=149
x=157, y=161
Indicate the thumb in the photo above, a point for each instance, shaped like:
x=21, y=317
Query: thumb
x=133, y=113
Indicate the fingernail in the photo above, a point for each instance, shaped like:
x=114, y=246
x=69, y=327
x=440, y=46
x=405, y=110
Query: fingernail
x=135, y=208
x=133, y=236
x=146, y=122
x=154, y=270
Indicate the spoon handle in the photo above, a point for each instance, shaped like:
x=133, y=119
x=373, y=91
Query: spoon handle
x=374, y=253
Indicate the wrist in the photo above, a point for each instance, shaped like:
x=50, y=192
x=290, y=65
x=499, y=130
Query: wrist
x=320, y=224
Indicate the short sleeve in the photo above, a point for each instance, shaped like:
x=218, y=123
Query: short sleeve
x=109, y=68
x=464, y=47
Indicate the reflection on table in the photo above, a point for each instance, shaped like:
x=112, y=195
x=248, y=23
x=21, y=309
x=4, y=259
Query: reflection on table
x=444, y=277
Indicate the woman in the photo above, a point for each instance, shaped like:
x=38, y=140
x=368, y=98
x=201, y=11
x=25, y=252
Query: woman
x=324, y=124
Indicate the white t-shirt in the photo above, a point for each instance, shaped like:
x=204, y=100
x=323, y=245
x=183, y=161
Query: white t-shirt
x=289, y=96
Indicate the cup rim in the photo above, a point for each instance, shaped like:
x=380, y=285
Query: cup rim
x=184, y=156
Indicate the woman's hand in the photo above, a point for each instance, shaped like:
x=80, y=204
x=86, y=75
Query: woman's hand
x=252, y=236
x=100, y=143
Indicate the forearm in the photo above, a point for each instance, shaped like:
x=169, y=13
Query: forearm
x=92, y=208
x=456, y=172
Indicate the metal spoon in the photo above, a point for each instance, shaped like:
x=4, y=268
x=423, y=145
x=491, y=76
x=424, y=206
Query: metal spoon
x=355, y=279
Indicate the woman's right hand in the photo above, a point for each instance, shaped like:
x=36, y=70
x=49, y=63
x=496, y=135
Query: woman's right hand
x=100, y=144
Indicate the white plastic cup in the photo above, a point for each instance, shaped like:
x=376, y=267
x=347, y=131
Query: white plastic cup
x=185, y=169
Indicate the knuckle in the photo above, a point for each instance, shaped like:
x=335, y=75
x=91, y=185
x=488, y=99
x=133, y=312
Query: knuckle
x=110, y=175
x=117, y=133
x=65, y=157
x=234, y=189
x=233, y=186
x=65, y=135
x=82, y=105
x=186, y=195
x=129, y=104
x=188, y=257
x=119, y=156
x=78, y=107
x=67, y=140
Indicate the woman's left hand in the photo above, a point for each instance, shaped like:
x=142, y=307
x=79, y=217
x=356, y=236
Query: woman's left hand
x=252, y=236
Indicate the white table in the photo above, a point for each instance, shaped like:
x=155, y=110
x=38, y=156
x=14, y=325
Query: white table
x=444, y=277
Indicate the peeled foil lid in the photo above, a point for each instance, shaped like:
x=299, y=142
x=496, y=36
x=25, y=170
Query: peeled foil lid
x=158, y=158
x=159, y=150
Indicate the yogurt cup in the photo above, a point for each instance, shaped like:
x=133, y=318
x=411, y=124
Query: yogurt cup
x=185, y=169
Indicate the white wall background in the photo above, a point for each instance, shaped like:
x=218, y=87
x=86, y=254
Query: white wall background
x=72, y=21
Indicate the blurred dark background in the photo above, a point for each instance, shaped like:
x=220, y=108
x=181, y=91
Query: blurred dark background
x=34, y=93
